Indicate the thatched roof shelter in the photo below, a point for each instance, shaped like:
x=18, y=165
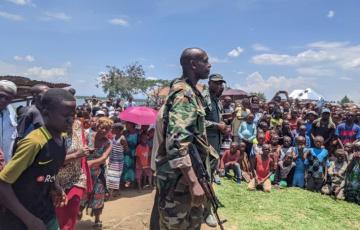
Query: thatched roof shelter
x=24, y=84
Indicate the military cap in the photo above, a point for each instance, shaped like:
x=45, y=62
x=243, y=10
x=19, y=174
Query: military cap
x=216, y=77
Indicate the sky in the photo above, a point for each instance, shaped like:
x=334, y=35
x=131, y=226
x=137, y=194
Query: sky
x=257, y=45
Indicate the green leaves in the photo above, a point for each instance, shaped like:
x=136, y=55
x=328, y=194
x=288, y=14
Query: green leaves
x=129, y=81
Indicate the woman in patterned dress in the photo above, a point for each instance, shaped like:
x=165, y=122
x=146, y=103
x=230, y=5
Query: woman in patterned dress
x=73, y=177
x=100, y=149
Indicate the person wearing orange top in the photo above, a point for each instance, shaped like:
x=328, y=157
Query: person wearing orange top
x=143, y=154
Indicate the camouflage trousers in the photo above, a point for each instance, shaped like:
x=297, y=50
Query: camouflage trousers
x=175, y=210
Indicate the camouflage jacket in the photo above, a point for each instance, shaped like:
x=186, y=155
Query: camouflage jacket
x=186, y=124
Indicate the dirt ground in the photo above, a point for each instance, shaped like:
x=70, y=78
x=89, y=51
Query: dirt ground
x=131, y=211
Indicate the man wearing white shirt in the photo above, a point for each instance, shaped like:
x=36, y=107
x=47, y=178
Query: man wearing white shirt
x=8, y=132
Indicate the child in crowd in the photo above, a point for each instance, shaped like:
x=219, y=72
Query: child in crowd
x=302, y=132
x=286, y=148
x=285, y=131
x=116, y=159
x=349, y=149
x=285, y=168
x=293, y=120
x=245, y=164
x=275, y=151
x=27, y=183
x=276, y=119
x=352, y=180
x=143, y=155
x=299, y=173
x=336, y=176
x=316, y=163
x=257, y=148
x=247, y=132
x=262, y=170
x=230, y=161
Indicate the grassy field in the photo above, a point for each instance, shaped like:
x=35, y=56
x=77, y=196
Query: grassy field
x=290, y=208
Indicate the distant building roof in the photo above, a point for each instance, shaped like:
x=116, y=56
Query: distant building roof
x=234, y=92
x=24, y=84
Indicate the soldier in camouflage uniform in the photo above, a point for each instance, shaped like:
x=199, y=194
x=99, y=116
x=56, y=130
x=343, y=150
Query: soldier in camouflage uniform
x=214, y=129
x=181, y=197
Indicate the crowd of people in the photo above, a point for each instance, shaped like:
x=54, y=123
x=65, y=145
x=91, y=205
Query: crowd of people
x=103, y=154
x=292, y=143
x=276, y=144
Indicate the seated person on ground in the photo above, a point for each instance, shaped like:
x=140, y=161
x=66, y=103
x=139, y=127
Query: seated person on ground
x=352, y=179
x=262, y=171
x=299, y=173
x=244, y=162
x=336, y=176
x=230, y=160
x=315, y=163
x=285, y=168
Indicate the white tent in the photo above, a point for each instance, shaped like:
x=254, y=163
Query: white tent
x=306, y=94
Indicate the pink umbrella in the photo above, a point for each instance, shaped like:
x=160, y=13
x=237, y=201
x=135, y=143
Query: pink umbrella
x=140, y=115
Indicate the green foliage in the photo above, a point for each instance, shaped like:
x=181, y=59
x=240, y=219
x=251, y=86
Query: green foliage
x=260, y=95
x=128, y=81
x=345, y=100
x=290, y=208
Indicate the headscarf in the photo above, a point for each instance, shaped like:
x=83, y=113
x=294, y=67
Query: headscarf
x=8, y=86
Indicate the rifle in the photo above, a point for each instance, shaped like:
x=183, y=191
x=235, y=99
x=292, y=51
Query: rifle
x=204, y=180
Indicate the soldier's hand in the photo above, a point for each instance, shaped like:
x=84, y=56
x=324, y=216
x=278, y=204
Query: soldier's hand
x=222, y=127
x=197, y=194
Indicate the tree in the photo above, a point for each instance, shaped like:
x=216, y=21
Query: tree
x=260, y=95
x=345, y=100
x=128, y=81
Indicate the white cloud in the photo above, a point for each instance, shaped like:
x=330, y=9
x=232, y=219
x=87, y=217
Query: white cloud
x=352, y=64
x=315, y=71
x=13, y=17
x=235, y=52
x=119, y=22
x=327, y=45
x=345, y=78
x=48, y=74
x=331, y=14
x=275, y=59
x=260, y=47
x=20, y=2
x=151, y=66
x=255, y=82
x=57, y=16
x=335, y=56
x=285, y=59
x=27, y=58
x=216, y=60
